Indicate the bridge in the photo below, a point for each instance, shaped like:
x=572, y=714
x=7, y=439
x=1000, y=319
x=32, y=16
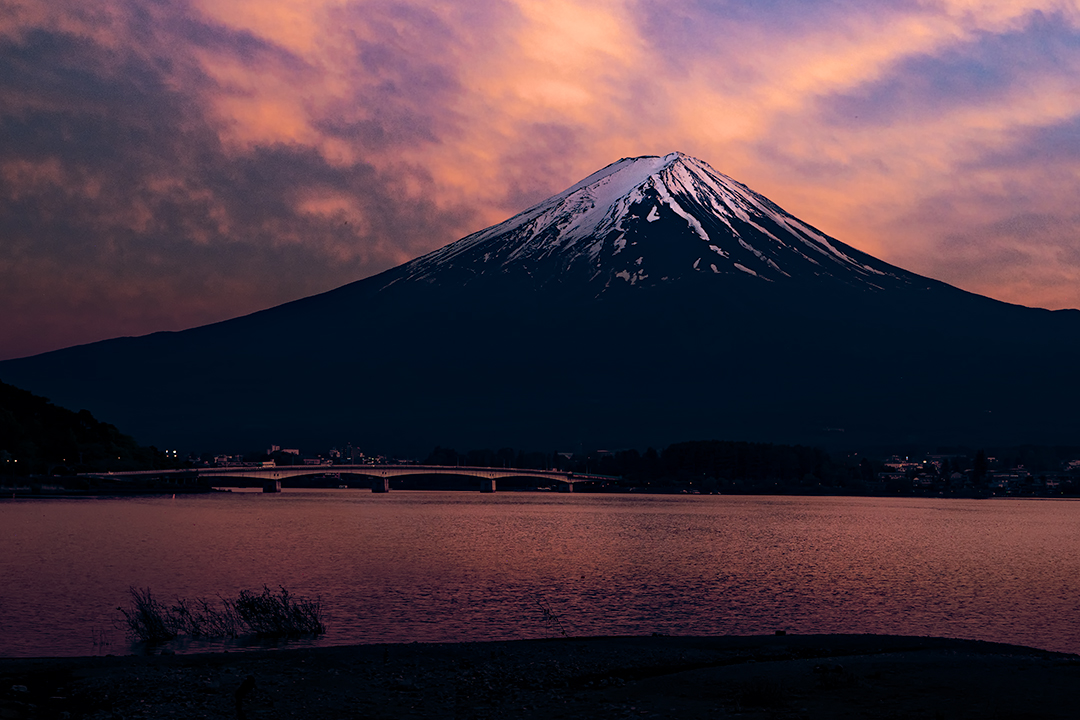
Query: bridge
x=380, y=475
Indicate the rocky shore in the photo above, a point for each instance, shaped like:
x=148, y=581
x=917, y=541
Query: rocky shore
x=821, y=676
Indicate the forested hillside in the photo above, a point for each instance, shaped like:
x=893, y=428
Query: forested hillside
x=39, y=438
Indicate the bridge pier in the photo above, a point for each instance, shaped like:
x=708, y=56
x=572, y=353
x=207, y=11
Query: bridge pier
x=380, y=485
x=271, y=486
x=487, y=485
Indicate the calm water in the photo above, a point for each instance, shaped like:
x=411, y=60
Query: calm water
x=444, y=566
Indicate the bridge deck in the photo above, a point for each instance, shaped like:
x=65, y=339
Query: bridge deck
x=374, y=471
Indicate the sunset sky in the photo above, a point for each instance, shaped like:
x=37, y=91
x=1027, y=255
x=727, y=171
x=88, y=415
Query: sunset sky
x=169, y=163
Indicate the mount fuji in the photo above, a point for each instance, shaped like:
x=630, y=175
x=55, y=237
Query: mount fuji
x=657, y=300
x=653, y=220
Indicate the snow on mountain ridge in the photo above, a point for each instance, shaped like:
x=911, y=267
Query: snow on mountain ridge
x=591, y=223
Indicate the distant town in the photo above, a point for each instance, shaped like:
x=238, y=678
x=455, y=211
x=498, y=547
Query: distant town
x=720, y=467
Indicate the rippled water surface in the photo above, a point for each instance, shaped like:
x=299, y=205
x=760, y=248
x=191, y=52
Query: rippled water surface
x=451, y=566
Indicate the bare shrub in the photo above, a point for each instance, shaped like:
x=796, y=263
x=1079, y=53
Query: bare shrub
x=146, y=618
x=198, y=619
x=280, y=615
x=264, y=614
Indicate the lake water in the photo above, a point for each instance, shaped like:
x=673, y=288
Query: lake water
x=455, y=566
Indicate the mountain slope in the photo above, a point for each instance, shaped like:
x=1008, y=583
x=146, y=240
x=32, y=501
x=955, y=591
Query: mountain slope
x=656, y=300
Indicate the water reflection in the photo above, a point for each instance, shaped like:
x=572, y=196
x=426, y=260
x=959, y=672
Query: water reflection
x=446, y=566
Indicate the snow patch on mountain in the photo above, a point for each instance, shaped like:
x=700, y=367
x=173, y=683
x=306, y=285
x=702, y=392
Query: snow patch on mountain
x=746, y=270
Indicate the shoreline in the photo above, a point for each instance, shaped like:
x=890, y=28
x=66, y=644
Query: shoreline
x=775, y=676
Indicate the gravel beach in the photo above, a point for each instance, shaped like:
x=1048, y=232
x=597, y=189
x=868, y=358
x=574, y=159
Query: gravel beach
x=790, y=676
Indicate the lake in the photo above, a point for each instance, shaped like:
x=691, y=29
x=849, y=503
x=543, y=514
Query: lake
x=456, y=566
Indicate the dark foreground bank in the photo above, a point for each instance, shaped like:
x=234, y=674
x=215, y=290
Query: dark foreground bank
x=822, y=676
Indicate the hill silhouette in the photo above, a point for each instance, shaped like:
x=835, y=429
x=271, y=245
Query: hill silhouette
x=40, y=438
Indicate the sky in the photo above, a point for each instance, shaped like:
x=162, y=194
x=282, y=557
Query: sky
x=170, y=163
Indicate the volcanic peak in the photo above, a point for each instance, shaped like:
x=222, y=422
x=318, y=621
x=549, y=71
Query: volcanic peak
x=672, y=215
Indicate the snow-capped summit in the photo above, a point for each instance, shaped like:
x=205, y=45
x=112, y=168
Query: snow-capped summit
x=652, y=220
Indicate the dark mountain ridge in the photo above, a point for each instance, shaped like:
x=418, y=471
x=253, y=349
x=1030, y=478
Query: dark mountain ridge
x=655, y=301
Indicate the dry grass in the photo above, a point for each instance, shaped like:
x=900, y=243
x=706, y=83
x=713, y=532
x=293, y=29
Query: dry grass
x=265, y=614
